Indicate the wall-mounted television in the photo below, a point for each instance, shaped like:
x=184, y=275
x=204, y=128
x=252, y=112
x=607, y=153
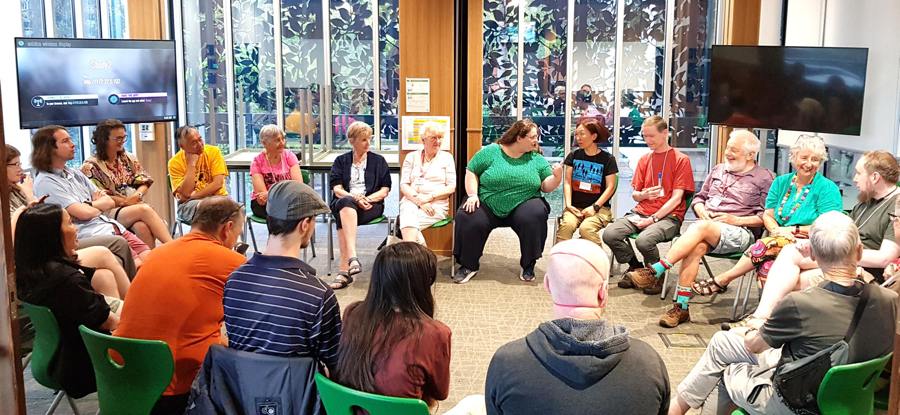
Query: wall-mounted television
x=73, y=82
x=818, y=89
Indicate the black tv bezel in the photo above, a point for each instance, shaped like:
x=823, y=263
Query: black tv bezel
x=73, y=123
x=778, y=127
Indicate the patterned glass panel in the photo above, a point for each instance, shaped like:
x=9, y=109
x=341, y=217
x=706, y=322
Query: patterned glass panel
x=501, y=37
x=33, y=18
x=389, y=71
x=544, y=62
x=593, y=78
x=63, y=19
x=90, y=18
x=303, y=59
x=694, y=33
x=643, y=37
x=118, y=19
x=203, y=28
x=352, y=72
x=254, y=68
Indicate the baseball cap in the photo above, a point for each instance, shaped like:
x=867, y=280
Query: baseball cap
x=292, y=200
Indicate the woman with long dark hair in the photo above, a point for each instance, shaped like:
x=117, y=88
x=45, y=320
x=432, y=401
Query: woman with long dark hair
x=390, y=342
x=48, y=274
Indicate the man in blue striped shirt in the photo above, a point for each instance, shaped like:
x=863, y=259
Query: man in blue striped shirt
x=274, y=303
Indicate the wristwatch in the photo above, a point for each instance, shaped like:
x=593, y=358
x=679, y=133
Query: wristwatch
x=596, y=207
x=655, y=219
x=140, y=195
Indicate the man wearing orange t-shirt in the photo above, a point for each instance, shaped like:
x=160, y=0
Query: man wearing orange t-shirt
x=661, y=181
x=177, y=294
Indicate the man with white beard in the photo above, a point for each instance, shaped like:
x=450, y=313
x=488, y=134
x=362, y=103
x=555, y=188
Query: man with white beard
x=729, y=208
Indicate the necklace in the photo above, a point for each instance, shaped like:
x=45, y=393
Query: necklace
x=787, y=196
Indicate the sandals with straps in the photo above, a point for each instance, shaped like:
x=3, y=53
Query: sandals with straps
x=341, y=280
x=708, y=287
x=355, y=267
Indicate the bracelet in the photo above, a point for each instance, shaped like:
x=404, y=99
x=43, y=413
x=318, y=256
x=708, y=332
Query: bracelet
x=471, y=196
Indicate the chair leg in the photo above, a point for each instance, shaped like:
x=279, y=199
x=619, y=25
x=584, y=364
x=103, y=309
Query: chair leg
x=252, y=235
x=753, y=281
x=665, y=286
x=56, y=400
x=73, y=405
x=330, y=247
x=737, y=298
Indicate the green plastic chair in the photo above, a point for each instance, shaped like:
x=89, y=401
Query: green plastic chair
x=132, y=387
x=341, y=400
x=251, y=219
x=441, y=223
x=848, y=389
x=380, y=219
x=46, y=344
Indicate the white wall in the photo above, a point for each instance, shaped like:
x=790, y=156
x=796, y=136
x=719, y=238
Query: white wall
x=871, y=24
x=11, y=26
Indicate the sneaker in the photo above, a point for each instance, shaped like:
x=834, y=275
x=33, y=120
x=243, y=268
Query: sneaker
x=626, y=282
x=642, y=277
x=675, y=316
x=527, y=274
x=654, y=289
x=463, y=275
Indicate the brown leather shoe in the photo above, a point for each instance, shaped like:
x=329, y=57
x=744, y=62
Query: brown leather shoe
x=675, y=316
x=654, y=289
x=642, y=277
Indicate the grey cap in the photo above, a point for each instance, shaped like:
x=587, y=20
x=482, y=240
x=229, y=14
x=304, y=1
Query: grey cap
x=292, y=200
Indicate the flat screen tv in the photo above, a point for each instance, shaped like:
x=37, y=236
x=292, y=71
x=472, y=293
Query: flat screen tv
x=814, y=89
x=74, y=82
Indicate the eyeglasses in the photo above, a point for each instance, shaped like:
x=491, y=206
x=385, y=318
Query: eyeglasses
x=16, y=164
x=122, y=138
x=894, y=217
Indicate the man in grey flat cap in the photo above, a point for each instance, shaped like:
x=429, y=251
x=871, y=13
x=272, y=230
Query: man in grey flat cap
x=275, y=304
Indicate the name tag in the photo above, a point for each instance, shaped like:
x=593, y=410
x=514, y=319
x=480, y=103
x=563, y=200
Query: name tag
x=714, y=201
x=584, y=186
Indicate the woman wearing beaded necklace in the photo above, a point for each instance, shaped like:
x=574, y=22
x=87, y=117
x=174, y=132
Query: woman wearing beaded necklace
x=794, y=201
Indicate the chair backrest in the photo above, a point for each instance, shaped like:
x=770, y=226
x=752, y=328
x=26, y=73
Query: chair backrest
x=46, y=343
x=850, y=389
x=306, y=178
x=131, y=373
x=341, y=400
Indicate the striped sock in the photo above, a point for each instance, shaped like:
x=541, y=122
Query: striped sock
x=660, y=267
x=682, y=296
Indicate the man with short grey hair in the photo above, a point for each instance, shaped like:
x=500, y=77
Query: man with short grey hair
x=730, y=206
x=804, y=323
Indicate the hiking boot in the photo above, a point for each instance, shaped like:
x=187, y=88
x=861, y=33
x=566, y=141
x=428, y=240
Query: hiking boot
x=675, y=316
x=463, y=275
x=625, y=282
x=642, y=277
x=654, y=289
x=527, y=274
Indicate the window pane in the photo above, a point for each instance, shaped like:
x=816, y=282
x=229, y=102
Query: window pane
x=544, y=81
x=64, y=18
x=204, y=70
x=694, y=33
x=352, y=72
x=642, y=58
x=118, y=18
x=254, y=68
x=75, y=133
x=593, y=76
x=389, y=71
x=303, y=59
x=90, y=18
x=33, y=18
x=501, y=37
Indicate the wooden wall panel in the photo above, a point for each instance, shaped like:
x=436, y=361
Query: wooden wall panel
x=147, y=20
x=474, y=102
x=426, y=51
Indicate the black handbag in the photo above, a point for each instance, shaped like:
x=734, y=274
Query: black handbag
x=797, y=382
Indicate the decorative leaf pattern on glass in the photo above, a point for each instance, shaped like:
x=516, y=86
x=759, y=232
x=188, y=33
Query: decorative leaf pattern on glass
x=693, y=37
x=643, y=38
x=303, y=69
x=544, y=79
x=254, y=68
x=501, y=34
x=352, y=71
x=203, y=28
x=389, y=71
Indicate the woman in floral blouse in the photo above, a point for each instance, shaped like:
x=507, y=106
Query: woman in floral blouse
x=121, y=176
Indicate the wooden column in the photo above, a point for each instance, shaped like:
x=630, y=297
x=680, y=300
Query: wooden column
x=147, y=20
x=741, y=27
x=475, y=80
x=426, y=51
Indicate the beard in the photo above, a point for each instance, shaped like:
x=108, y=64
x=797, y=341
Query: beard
x=735, y=166
x=865, y=196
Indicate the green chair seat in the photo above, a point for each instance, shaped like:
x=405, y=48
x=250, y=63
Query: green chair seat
x=377, y=220
x=341, y=400
x=44, y=348
x=442, y=223
x=134, y=383
x=256, y=219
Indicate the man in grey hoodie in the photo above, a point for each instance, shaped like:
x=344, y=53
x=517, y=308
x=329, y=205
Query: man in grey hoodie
x=579, y=363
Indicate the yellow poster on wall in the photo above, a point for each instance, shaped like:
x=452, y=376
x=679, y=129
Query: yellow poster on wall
x=411, y=131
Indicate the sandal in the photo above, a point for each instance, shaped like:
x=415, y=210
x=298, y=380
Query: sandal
x=708, y=287
x=341, y=280
x=355, y=267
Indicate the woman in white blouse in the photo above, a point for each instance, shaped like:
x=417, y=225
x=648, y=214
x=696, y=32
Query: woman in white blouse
x=427, y=179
